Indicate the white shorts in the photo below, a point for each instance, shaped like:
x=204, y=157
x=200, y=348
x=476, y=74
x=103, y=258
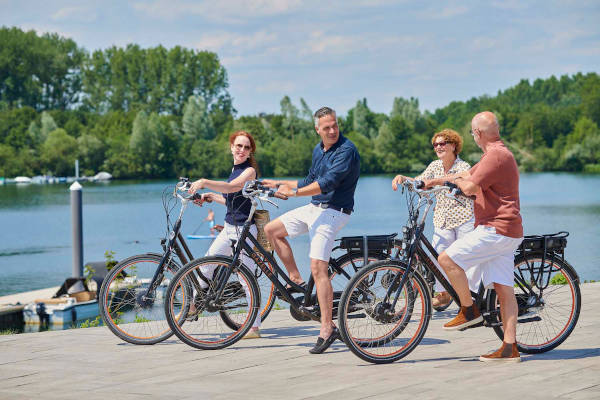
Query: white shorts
x=322, y=225
x=222, y=247
x=442, y=239
x=492, y=253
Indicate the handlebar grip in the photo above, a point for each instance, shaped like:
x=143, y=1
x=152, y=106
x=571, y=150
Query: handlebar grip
x=198, y=196
x=278, y=195
x=419, y=184
x=457, y=190
x=451, y=185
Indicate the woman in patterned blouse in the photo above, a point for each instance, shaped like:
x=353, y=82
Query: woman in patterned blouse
x=451, y=219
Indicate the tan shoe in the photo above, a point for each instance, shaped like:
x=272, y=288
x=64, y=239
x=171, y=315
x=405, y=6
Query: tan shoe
x=252, y=334
x=508, y=352
x=467, y=316
x=441, y=299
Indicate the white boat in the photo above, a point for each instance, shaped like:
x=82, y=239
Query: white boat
x=22, y=179
x=102, y=176
x=60, y=313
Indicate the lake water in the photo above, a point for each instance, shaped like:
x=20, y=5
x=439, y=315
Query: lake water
x=128, y=218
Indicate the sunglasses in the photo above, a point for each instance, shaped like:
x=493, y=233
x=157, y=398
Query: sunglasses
x=242, y=147
x=439, y=144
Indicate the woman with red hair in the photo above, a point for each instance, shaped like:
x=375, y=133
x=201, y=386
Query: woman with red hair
x=229, y=193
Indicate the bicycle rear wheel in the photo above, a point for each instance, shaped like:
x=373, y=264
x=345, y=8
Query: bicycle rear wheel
x=370, y=327
x=124, y=309
x=549, y=301
x=203, y=319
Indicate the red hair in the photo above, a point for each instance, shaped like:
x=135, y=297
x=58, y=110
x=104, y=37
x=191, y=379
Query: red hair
x=251, y=158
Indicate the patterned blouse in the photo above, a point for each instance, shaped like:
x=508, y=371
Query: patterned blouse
x=448, y=213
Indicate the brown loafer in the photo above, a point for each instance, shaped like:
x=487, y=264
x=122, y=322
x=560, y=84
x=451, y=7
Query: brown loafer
x=508, y=352
x=467, y=316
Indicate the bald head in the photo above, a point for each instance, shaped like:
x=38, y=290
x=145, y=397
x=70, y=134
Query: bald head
x=487, y=124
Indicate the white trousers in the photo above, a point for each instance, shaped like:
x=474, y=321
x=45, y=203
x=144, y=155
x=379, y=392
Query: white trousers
x=222, y=246
x=442, y=239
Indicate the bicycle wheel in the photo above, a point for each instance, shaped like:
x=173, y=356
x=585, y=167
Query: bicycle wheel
x=200, y=317
x=370, y=327
x=341, y=270
x=267, y=296
x=430, y=279
x=347, y=265
x=549, y=301
x=266, y=288
x=124, y=309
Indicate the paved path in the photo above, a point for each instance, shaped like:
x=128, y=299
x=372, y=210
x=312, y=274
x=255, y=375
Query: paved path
x=93, y=364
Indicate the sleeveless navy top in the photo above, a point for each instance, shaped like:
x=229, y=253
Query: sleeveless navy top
x=238, y=207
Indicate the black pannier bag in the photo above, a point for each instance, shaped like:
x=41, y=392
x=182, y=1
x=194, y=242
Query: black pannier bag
x=373, y=242
x=552, y=243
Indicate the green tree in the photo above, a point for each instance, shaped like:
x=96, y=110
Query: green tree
x=196, y=121
x=39, y=71
x=59, y=153
x=91, y=154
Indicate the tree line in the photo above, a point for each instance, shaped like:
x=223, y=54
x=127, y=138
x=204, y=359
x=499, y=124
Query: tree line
x=162, y=113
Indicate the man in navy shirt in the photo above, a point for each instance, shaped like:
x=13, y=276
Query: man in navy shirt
x=331, y=182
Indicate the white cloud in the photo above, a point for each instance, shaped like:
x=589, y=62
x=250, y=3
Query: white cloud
x=76, y=14
x=449, y=12
x=232, y=11
x=236, y=41
x=276, y=87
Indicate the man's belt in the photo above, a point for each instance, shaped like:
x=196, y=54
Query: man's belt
x=336, y=208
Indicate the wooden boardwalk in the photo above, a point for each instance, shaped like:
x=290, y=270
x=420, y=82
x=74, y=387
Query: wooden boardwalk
x=94, y=364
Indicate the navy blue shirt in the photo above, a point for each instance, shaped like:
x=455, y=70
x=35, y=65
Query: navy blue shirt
x=337, y=171
x=238, y=207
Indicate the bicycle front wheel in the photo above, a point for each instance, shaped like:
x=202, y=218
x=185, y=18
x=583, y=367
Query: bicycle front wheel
x=372, y=326
x=128, y=308
x=549, y=301
x=206, y=318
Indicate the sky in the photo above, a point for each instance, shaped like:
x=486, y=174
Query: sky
x=335, y=53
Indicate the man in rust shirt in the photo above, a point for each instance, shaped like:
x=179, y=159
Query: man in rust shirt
x=494, y=180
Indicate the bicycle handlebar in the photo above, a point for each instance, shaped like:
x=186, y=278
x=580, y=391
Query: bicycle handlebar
x=184, y=185
x=418, y=187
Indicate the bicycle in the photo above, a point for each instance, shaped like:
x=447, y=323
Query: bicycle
x=386, y=307
x=131, y=298
x=220, y=315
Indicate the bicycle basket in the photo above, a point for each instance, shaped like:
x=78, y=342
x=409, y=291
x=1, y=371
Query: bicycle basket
x=261, y=218
x=374, y=242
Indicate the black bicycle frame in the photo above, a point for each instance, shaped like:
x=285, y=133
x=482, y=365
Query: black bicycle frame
x=242, y=245
x=168, y=247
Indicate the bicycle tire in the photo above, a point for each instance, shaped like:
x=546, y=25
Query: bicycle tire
x=341, y=270
x=200, y=326
x=551, y=319
x=123, y=312
x=395, y=337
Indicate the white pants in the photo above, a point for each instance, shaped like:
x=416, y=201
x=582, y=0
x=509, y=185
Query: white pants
x=322, y=224
x=222, y=246
x=442, y=239
x=491, y=253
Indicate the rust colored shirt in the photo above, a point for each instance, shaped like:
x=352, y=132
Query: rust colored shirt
x=497, y=204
